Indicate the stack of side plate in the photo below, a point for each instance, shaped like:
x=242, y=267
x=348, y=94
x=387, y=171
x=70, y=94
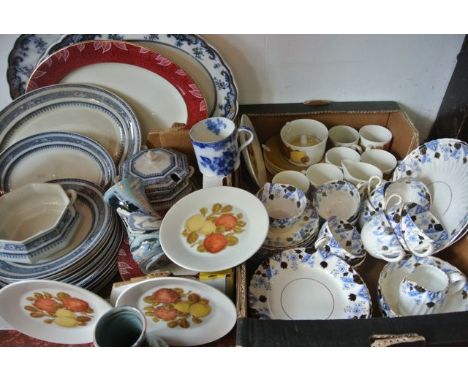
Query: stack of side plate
x=90, y=259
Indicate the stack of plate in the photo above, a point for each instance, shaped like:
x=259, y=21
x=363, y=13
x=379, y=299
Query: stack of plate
x=90, y=259
x=165, y=174
x=275, y=161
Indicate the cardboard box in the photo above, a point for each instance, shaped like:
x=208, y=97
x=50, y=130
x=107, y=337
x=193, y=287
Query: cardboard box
x=439, y=329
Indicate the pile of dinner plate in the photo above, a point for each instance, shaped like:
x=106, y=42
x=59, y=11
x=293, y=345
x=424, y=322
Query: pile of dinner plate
x=89, y=259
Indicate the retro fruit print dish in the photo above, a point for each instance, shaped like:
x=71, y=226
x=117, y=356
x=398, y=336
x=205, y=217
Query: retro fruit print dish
x=52, y=311
x=213, y=229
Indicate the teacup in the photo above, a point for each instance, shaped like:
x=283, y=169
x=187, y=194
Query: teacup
x=375, y=137
x=424, y=291
x=294, y=178
x=345, y=136
x=413, y=232
x=380, y=240
x=304, y=141
x=123, y=326
x=215, y=142
x=338, y=198
x=340, y=238
x=321, y=173
x=411, y=190
x=360, y=173
x=337, y=155
x=382, y=159
x=284, y=203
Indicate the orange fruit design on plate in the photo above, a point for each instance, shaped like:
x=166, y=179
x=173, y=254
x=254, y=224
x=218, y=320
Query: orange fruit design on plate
x=215, y=229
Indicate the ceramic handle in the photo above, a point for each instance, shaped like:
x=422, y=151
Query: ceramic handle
x=357, y=148
x=392, y=259
x=393, y=196
x=457, y=282
x=248, y=130
x=71, y=195
x=426, y=252
x=321, y=242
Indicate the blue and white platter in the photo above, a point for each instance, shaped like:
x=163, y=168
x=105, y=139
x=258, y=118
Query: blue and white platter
x=51, y=156
x=442, y=166
x=191, y=52
x=297, y=285
x=89, y=241
x=86, y=110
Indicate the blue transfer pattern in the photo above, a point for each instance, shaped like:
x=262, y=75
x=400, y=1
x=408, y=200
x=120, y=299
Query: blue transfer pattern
x=358, y=303
x=215, y=125
x=41, y=100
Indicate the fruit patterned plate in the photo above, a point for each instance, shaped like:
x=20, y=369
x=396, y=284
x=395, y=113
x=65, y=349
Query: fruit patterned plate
x=52, y=311
x=214, y=229
x=297, y=285
x=442, y=166
x=182, y=312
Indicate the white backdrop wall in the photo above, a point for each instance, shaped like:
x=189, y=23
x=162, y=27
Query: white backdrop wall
x=413, y=70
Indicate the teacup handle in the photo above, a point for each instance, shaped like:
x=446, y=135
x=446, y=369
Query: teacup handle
x=457, y=282
x=393, y=196
x=391, y=259
x=426, y=252
x=372, y=179
x=320, y=243
x=71, y=195
x=357, y=148
x=248, y=130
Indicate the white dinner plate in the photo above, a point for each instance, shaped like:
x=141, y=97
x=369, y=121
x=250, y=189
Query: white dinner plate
x=50, y=156
x=296, y=285
x=82, y=109
x=442, y=166
x=214, y=229
x=52, y=311
x=220, y=311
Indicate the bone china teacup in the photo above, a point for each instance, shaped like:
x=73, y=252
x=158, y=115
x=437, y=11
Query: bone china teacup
x=216, y=148
x=425, y=290
x=284, y=203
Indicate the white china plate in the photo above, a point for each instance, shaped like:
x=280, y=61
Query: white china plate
x=246, y=211
x=442, y=166
x=82, y=109
x=95, y=225
x=215, y=325
x=392, y=275
x=296, y=285
x=253, y=155
x=192, y=53
x=50, y=156
x=18, y=304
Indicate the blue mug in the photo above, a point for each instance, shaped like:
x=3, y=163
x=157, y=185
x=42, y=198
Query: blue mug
x=216, y=148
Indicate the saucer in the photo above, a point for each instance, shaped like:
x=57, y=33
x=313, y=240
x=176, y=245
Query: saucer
x=303, y=230
x=274, y=156
x=52, y=311
x=393, y=273
x=296, y=285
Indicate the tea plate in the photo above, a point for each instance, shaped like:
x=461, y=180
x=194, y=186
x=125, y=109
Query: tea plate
x=82, y=109
x=94, y=229
x=274, y=155
x=192, y=53
x=52, y=311
x=442, y=166
x=297, y=285
x=49, y=156
x=393, y=273
x=170, y=301
x=253, y=155
x=159, y=92
x=214, y=229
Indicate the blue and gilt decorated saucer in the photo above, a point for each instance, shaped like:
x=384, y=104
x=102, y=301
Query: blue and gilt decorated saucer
x=296, y=285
